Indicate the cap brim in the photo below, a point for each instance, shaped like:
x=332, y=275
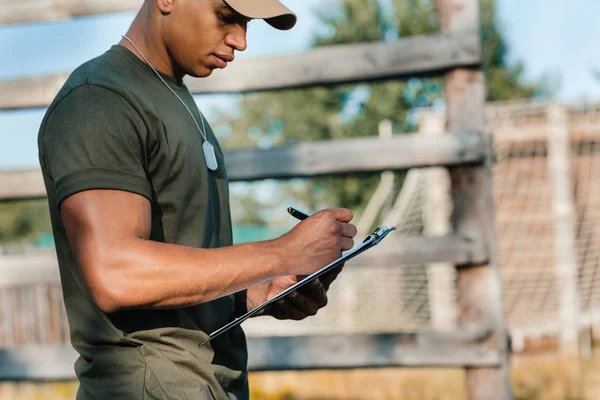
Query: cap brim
x=272, y=11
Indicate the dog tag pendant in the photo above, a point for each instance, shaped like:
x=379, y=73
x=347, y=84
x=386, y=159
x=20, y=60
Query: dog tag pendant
x=209, y=155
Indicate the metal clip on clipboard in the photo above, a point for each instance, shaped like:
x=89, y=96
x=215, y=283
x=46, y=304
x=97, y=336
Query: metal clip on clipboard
x=370, y=241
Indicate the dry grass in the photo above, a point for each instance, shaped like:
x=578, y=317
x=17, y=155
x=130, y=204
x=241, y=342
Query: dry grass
x=38, y=391
x=363, y=384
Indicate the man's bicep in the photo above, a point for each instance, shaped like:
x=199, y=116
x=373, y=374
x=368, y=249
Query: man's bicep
x=99, y=223
x=103, y=227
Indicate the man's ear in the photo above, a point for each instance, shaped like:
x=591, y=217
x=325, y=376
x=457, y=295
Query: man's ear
x=165, y=6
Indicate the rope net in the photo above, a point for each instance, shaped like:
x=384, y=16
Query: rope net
x=528, y=216
x=372, y=298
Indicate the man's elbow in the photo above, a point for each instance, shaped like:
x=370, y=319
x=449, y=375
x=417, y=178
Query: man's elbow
x=107, y=303
x=108, y=290
x=107, y=299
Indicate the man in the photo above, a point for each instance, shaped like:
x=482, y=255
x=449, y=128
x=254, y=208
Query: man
x=138, y=197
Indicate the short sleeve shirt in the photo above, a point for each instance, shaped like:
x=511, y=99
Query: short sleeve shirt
x=115, y=125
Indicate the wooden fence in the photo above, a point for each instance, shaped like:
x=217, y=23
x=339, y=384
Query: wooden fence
x=479, y=343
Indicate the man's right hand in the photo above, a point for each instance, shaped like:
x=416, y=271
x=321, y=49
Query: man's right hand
x=318, y=240
x=312, y=244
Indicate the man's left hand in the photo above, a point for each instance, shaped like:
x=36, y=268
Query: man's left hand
x=299, y=304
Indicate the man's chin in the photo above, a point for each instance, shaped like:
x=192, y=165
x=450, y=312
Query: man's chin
x=202, y=72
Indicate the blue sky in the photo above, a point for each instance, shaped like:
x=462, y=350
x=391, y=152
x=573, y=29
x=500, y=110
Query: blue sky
x=555, y=38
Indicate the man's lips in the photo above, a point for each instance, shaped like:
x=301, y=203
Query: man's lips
x=223, y=59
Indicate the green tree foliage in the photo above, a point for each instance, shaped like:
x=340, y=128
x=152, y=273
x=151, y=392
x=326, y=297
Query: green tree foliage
x=23, y=220
x=504, y=80
x=277, y=118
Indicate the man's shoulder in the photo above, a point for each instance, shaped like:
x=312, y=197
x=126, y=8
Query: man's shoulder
x=103, y=71
x=99, y=87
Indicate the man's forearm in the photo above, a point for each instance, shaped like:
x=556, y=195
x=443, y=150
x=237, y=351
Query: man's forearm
x=148, y=274
x=108, y=232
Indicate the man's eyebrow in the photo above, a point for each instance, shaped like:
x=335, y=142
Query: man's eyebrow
x=234, y=14
x=223, y=6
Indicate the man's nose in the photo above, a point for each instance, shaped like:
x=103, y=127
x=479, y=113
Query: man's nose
x=237, y=38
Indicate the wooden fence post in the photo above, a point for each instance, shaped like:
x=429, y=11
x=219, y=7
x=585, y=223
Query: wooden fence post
x=480, y=295
x=440, y=276
x=563, y=211
x=383, y=191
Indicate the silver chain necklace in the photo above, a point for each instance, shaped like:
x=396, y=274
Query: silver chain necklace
x=207, y=147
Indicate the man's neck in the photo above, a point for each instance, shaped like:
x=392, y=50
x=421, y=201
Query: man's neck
x=147, y=39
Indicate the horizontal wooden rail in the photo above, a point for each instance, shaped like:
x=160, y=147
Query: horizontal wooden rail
x=21, y=270
x=366, y=351
x=21, y=184
x=14, y=12
x=29, y=269
x=322, y=66
x=346, y=63
x=55, y=362
x=34, y=362
x=368, y=154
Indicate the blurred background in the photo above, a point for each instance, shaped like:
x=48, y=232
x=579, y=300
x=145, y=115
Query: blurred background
x=543, y=74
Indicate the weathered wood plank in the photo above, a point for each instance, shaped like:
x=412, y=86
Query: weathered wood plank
x=17, y=322
x=368, y=154
x=9, y=306
x=436, y=222
x=21, y=184
x=42, y=311
x=14, y=12
x=54, y=362
x=34, y=91
x=43, y=268
x=354, y=155
x=322, y=66
x=364, y=351
x=56, y=305
x=565, y=227
x=6, y=321
x=347, y=63
x=380, y=197
x=480, y=298
x=28, y=269
x=287, y=353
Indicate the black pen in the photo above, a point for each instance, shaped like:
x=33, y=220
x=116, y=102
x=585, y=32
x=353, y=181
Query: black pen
x=297, y=214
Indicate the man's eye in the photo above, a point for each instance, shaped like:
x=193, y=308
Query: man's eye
x=224, y=18
x=228, y=19
x=232, y=19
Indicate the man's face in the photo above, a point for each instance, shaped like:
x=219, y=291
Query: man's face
x=202, y=35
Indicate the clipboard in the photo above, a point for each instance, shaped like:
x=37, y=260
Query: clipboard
x=370, y=241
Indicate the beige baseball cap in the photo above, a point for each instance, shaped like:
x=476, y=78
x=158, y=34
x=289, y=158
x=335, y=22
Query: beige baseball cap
x=272, y=11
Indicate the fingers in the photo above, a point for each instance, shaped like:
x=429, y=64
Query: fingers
x=307, y=303
x=320, y=239
x=312, y=296
x=285, y=309
x=327, y=278
x=301, y=304
x=349, y=230
x=342, y=214
x=346, y=243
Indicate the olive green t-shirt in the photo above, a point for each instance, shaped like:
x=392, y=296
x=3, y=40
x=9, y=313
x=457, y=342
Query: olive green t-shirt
x=115, y=125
